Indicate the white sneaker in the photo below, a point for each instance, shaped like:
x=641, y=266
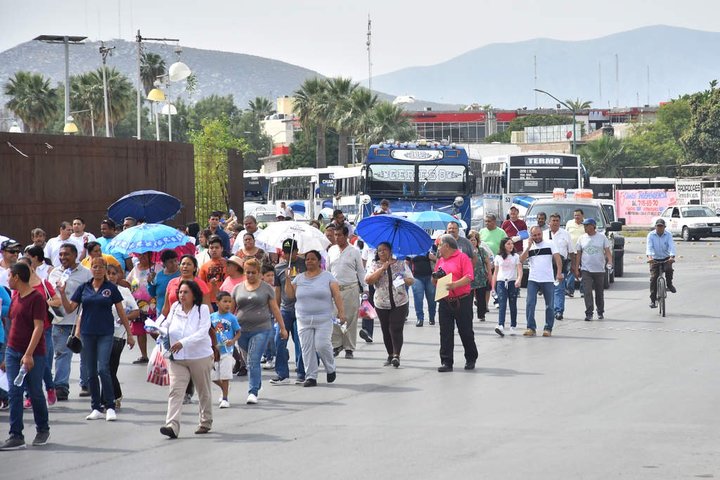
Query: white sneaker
x=95, y=415
x=225, y=404
x=280, y=381
x=512, y=330
x=110, y=415
x=269, y=365
x=500, y=330
x=252, y=399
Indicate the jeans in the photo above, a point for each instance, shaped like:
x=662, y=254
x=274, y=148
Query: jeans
x=33, y=383
x=254, y=344
x=507, y=294
x=570, y=282
x=118, y=346
x=547, y=290
x=63, y=355
x=458, y=313
x=564, y=284
x=271, y=349
x=49, y=353
x=423, y=288
x=283, y=355
x=594, y=281
x=95, y=356
x=315, y=333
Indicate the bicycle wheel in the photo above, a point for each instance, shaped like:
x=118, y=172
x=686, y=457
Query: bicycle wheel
x=661, y=294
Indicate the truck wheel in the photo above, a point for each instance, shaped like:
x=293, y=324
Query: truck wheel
x=606, y=283
x=686, y=234
x=619, y=263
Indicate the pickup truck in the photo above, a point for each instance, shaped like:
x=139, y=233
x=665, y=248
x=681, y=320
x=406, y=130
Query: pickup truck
x=691, y=222
x=591, y=209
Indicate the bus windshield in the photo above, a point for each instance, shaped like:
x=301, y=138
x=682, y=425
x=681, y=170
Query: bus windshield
x=416, y=180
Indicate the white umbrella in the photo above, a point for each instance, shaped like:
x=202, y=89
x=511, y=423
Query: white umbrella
x=307, y=237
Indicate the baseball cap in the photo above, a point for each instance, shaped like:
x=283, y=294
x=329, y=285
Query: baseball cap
x=659, y=221
x=589, y=221
x=289, y=245
x=10, y=244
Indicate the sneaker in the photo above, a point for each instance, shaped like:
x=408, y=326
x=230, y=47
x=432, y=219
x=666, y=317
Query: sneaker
x=95, y=415
x=84, y=392
x=110, y=415
x=349, y=354
x=431, y=321
x=310, y=382
x=365, y=335
x=512, y=331
x=140, y=361
x=41, y=438
x=187, y=399
x=279, y=381
x=62, y=394
x=224, y=404
x=569, y=293
x=13, y=443
x=4, y=405
x=547, y=333
x=588, y=318
x=500, y=330
x=27, y=403
x=469, y=365
x=242, y=371
x=529, y=333
x=331, y=377
x=653, y=305
x=252, y=399
x=263, y=360
x=671, y=288
x=388, y=362
x=202, y=430
x=419, y=323
x=482, y=319
x=336, y=351
x=269, y=365
x=51, y=397
x=168, y=431
x=445, y=368
x=395, y=362
x=299, y=381
x=601, y=316
x=558, y=316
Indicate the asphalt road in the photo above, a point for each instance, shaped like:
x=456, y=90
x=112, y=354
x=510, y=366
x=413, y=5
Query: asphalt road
x=633, y=396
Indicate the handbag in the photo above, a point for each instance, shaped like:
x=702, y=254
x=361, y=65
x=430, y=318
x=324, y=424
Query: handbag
x=74, y=343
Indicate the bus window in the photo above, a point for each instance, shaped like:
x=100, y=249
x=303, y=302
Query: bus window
x=441, y=179
x=391, y=179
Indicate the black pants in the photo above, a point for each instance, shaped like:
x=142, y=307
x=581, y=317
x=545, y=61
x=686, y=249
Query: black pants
x=115, y=353
x=594, y=281
x=480, y=301
x=655, y=273
x=458, y=313
x=392, y=322
x=368, y=324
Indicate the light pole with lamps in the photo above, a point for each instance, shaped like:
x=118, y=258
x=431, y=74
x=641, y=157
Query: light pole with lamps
x=574, y=113
x=71, y=127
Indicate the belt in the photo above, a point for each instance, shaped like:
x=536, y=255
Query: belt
x=345, y=287
x=455, y=299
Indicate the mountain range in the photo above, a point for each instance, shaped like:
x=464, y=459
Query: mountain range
x=642, y=66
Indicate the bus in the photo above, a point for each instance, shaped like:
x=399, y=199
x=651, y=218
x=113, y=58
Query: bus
x=417, y=177
x=519, y=179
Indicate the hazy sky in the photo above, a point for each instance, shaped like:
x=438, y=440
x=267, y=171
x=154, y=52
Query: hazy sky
x=329, y=35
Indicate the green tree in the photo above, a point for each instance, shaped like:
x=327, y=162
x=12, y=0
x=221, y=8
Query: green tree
x=519, y=124
x=340, y=92
x=32, y=99
x=152, y=66
x=363, y=103
x=701, y=141
x=86, y=92
x=212, y=144
x=390, y=123
x=578, y=105
x=313, y=108
x=603, y=157
x=261, y=107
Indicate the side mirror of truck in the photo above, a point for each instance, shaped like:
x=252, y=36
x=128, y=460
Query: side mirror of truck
x=622, y=221
x=614, y=227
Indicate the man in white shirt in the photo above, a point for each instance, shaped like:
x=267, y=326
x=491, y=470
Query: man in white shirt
x=52, y=248
x=540, y=254
x=251, y=226
x=80, y=237
x=575, y=229
x=593, y=257
x=565, y=247
x=345, y=263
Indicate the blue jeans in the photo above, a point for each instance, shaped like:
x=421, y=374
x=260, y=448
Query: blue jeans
x=63, y=355
x=547, y=289
x=424, y=289
x=559, y=294
x=570, y=281
x=254, y=344
x=49, y=353
x=282, y=354
x=95, y=356
x=271, y=349
x=33, y=383
x=507, y=294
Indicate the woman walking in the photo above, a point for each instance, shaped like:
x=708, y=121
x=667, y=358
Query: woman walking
x=482, y=276
x=506, y=284
x=255, y=306
x=96, y=325
x=119, y=337
x=390, y=277
x=315, y=291
x=188, y=325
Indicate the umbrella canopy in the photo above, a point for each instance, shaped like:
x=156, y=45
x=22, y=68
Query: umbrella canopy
x=307, y=237
x=148, y=237
x=145, y=205
x=297, y=207
x=433, y=220
x=405, y=237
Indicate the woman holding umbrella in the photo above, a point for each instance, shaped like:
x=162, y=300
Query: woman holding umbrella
x=390, y=278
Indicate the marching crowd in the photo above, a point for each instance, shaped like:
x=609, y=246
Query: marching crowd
x=231, y=307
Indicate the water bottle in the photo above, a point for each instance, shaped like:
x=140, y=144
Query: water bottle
x=20, y=376
x=364, y=297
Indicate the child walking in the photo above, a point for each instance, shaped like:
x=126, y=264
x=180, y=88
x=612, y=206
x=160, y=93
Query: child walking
x=227, y=332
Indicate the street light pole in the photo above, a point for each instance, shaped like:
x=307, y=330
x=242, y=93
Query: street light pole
x=104, y=52
x=574, y=113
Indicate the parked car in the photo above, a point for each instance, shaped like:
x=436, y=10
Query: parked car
x=691, y=222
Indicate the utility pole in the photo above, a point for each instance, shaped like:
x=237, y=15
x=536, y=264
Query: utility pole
x=139, y=39
x=535, y=78
x=368, y=44
x=104, y=52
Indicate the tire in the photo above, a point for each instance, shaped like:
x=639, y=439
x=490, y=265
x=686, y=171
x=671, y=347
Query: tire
x=686, y=234
x=661, y=294
x=606, y=282
x=612, y=276
x=619, y=263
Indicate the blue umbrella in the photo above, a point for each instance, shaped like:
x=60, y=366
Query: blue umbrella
x=432, y=219
x=147, y=237
x=405, y=237
x=297, y=207
x=145, y=205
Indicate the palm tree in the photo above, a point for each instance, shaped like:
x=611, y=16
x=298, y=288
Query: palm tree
x=340, y=94
x=390, y=122
x=362, y=105
x=578, y=105
x=32, y=99
x=261, y=107
x=152, y=66
x=86, y=92
x=603, y=156
x=121, y=96
x=313, y=108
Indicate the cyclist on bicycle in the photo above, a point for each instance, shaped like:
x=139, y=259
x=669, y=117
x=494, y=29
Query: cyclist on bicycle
x=660, y=254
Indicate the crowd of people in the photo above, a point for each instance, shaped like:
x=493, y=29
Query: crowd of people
x=231, y=308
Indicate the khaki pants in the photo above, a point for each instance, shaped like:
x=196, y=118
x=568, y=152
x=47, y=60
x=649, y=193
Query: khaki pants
x=351, y=301
x=181, y=372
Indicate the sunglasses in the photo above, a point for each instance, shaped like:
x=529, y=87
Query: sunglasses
x=15, y=252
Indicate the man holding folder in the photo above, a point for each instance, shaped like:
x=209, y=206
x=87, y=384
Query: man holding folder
x=452, y=277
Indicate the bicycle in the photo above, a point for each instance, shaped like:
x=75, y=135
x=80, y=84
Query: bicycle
x=661, y=293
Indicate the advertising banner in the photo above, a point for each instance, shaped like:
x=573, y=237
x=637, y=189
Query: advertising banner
x=687, y=190
x=638, y=207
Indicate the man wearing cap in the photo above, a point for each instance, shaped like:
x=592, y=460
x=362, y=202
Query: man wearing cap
x=513, y=226
x=660, y=247
x=290, y=266
x=10, y=250
x=593, y=257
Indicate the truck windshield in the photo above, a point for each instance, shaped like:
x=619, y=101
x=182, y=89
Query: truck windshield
x=566, y=213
